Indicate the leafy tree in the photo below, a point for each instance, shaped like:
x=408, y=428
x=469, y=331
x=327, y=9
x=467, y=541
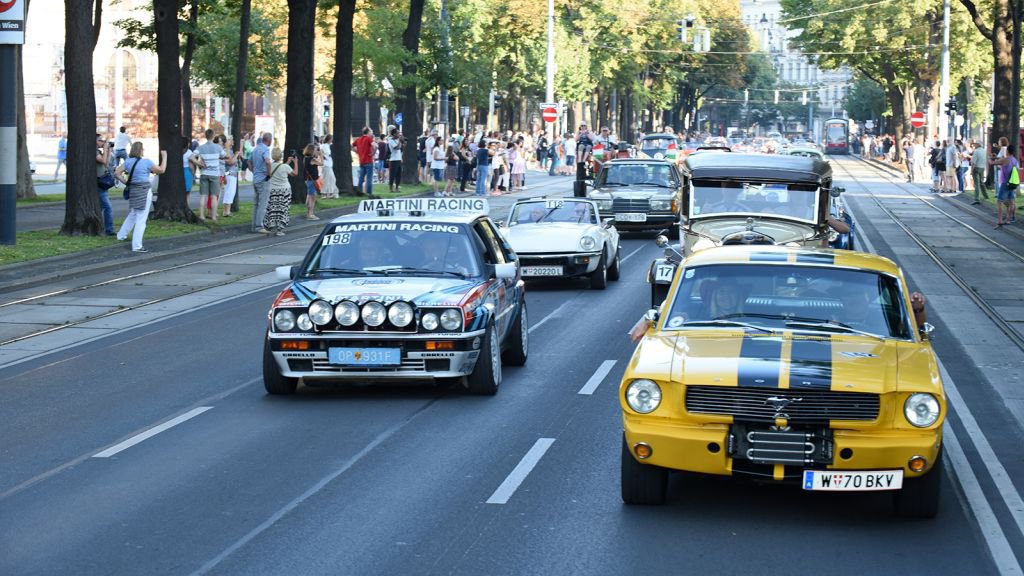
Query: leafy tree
x=1006, y=108
x=298, y=106
x=265, y=53
x=342, y=95
x=866, y=99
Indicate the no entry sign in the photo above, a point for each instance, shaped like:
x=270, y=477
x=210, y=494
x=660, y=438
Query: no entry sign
x=917, y=119
x=549, y=114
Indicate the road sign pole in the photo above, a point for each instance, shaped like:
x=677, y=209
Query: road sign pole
x=8, y=144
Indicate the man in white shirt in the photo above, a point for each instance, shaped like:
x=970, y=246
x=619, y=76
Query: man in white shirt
x=428, y=147
x=122, y=143
x=209, y=180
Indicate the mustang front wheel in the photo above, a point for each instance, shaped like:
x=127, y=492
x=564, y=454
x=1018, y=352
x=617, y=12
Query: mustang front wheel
x=919, y=497
x=642, y=483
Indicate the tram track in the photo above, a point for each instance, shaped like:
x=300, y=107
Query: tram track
x=1002, y=323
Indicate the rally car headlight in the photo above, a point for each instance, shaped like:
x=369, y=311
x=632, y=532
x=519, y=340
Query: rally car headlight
x=429, y=321
x=661, y=204
x=304, y=323
x=451, y=319
x=400, y=314
x=346, y=312
x=588, y=244
x=374, y=313
x=643, y=396
x=284, y=320
x=921, y=410
x=320, y=312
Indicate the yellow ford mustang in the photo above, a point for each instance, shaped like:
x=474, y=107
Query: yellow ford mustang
x=786, y=364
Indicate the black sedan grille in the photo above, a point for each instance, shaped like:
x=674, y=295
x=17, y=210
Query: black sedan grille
x=767, y=404
x=630, y=205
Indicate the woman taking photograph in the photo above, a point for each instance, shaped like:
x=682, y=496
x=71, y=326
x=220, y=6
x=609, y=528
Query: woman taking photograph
x=277, y=218
x=135, y=173
x=312, y=160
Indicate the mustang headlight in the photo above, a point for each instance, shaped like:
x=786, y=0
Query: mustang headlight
x=588, y=244
x=921, y=409
x=400, y=314
x=347, y=312
x=833, y=236
x=304, y=323
x=320, y=312
x=429, y=321
x=284, y=320
x=374, y=313
x=643, y=396
x=451, y=319
x=661, y=204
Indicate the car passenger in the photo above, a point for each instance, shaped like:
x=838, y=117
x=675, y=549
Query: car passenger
x=729, y=201
x=724, y=299
x=441, y=254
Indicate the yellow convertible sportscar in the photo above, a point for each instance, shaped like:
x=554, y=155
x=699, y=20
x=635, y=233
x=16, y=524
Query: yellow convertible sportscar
x=800, y=365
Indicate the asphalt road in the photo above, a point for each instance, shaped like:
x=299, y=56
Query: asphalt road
x=397, y=480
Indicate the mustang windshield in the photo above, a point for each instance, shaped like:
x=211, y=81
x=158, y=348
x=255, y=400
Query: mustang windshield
x=720, y=197
x=576, y=212
x=649, y=173
x=800, y=298
x=406, y=248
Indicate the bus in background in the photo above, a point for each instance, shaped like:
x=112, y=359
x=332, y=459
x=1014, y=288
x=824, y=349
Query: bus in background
x=837, y=136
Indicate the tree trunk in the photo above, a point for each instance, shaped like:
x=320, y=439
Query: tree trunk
x=172, y=203
x=186, y=71
x=298, y=100
x=341, y=149
x=82, y=204
x=241, y=72
x=897, y=96
x=411, y=127
x=25, y=186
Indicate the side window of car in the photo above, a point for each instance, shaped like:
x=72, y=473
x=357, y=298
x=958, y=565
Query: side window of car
x=495, y=253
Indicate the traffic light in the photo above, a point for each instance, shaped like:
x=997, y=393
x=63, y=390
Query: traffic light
x=497, y=100
x=684, y=25
x=951, y=107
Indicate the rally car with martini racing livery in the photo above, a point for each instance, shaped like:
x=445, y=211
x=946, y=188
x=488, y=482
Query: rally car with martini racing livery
x=417, y=289
x=786, y=364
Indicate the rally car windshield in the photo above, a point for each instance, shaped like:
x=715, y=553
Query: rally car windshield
x=799, y=298
x=721, y=197
x=396, y=248
x=650, y=174
x=574, y=212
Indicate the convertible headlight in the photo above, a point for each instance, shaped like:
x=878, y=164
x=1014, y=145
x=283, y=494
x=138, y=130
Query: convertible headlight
x=429, y=321
x=643, y=396
x=451, y=319
x=588, y=244
x=347, y=312
x=833, y=236
x=374, y=313
x=284, y=320
x=320, y=312
x=400, y=314
x=661, y=204
x=921, y=409
x=304, y=323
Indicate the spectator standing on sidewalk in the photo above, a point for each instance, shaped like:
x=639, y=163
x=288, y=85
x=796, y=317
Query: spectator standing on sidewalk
x=232, y=160
x=330, y=189
x=484, y=152
x=451, y=166
x=135, y=174
x=365, y=148
x=209, y=178
x=62, y=154
x=466, y=157
x=978, y=162
x=395, y=144
x=517, y=160
x=277, y=217
x=122, y=142
x=312, y=160
x=259, y=163
x=102, y=169
x=1006, y=197
x=964, y=160
x=908, y=158
x=543, y=145
x=382, y=159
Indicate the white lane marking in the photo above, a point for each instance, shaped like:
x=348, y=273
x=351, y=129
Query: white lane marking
x=122, y=446
x=548, y=317
x=597, y=378
x=631, y=254
x=998, y=546
x=520, y=472
x=205, y=568
x=995, y=468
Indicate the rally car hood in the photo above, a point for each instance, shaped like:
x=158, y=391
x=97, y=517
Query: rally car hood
x=779, y=229
x=422, y=291
x=547, y=237
x=822, y=362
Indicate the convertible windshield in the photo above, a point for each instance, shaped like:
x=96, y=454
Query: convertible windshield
x=650, y=173
x=395, y=248
x=661, y=143
x=799, y=298
x=574, y=211
x=715, y=197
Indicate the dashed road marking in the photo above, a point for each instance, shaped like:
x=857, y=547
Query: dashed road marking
x=597, y=378
x=521, y=471
x=122, y=446
x=627, y=256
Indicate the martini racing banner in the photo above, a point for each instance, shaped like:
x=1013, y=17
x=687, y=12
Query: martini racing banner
x=396, y=205
x=12, y=21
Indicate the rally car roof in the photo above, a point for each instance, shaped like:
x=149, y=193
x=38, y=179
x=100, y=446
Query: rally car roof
x=425, y=217
x=791, y=255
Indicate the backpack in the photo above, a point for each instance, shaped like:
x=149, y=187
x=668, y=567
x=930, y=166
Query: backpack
x=1014, y=180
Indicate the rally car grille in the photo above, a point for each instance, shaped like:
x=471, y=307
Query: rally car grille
x=407, y=365
x=768, y=404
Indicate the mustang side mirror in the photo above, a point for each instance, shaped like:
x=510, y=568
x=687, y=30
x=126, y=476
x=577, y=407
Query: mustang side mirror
x=505, y=271
x=661, y=241
x=651, y=315
x=286, y=272
x=926, y=331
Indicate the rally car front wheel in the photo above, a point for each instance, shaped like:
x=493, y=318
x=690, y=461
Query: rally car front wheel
x=517, y=343
x=273, y=381
x=485, y=378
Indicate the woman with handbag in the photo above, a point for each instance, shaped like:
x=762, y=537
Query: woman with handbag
x=232, y=161
x=280, y=193
x=139, y=191
x=104, y=182
x=312, y=160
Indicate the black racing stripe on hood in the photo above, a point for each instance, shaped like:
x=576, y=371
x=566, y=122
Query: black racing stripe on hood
x=816, y=258
x=759, y=362
x=811, y=365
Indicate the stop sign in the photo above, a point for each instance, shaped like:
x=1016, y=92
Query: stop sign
x=917, y=119
x=549, y=114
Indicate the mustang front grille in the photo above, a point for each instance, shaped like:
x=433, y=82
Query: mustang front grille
x=768, y=404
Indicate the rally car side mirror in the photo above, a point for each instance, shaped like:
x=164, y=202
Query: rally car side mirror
x=505, y=271
x=286, y=272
